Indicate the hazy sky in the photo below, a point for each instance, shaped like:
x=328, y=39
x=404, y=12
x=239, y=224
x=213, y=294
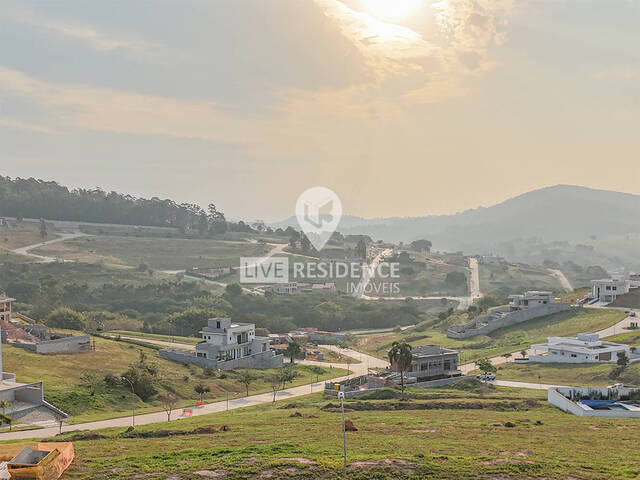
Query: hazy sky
x=403, y=107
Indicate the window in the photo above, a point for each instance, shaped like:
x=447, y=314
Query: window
x=217, y=324
x=573, y=355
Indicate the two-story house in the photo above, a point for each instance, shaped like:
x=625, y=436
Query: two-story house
x=227, y=345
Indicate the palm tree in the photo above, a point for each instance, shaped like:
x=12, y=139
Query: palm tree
x=400, y=357
x=293, y=350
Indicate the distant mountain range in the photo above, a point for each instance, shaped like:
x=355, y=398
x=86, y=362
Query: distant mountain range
x=558, y=213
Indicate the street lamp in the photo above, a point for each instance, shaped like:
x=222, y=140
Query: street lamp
x=133, y=411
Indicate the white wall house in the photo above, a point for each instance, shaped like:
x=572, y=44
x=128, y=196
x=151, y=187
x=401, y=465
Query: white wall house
x=608, y=289
x=223, y=340
x=530, y=299
x=585, y=348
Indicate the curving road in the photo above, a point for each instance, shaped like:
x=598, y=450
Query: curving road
x=43, y=259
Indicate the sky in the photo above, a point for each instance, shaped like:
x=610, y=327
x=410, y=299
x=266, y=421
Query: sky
x=402, y=107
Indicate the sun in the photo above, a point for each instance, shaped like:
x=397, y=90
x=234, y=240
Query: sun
x=392, y=9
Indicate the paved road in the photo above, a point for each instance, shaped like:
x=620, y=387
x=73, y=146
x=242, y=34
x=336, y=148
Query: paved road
x=621, y=327
x=369, y=273
x=62, y=237
x=161, y=416
x=564, y=281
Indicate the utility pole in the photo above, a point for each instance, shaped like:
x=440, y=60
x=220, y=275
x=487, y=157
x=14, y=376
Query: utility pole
x=344, y=433
x=133, y=412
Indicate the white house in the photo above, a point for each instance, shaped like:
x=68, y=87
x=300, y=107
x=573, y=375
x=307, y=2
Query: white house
x=608, y=289
x=585, y=348
x=284, y=288
x=530, y=299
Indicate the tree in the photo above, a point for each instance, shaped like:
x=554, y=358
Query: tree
x=317, y=371
x=455, y=279
x=623, y=360
x=274, y=382
x=143, y=377
x=201, y=389
x=506, y=356
x=523, y=352
x=293, y=350
x=400, y=357
x=65, y=318
x=287, y=374
x=246, y=378
x=4, y=404
x=421, y=245
x=43, y=228
x=92, y=380
x=361, y=249
x=305, y=244
x=485, y=365
x=233, y=290
x=169, y=402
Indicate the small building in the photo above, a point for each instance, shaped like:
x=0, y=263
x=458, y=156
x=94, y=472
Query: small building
x=530, y=299
x=46, y=461
x=585, y=348
x=634, y=280
x=431, y=362
x=227, y=345
x=492, y=260
x=284, y=288
x=5, y=308
x=608, y=289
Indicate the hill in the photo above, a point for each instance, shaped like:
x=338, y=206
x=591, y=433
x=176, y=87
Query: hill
x=549, y=218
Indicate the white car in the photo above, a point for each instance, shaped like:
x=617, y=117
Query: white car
x=486, y=377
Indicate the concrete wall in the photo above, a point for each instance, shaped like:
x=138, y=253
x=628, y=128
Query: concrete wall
x=473, y=328
x=72, y=344
x=259, y=360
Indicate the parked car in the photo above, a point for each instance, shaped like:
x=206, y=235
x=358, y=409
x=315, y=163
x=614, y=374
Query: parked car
x=486, y=377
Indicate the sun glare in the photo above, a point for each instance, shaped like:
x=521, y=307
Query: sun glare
x=392, y=9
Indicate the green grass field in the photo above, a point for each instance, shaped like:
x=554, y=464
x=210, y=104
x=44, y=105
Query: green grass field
x=503, y=280
x=155, y=336
x=467, y=432
x=157, y=253
x=567, y=374
x=62, y=379
x=505, y=340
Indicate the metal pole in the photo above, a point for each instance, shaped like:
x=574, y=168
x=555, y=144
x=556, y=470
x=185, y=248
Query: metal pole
x=133, y=411
x=344, y=433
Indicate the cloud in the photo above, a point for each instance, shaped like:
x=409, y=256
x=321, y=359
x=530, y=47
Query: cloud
x=97, y=108
x=442, y=65
x=129, y=46
x=387, y=48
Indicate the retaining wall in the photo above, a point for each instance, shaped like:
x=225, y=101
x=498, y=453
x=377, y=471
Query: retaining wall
x=477, y=326
x=259, y=360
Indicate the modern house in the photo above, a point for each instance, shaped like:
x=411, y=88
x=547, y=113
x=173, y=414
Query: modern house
x=585, y=348
x=227, y=345
x=616, y=401
x=608, y=289
x=432, y=362
x=5, y=308
x=530, y=299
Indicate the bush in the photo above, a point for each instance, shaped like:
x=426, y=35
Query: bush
x=65, y=318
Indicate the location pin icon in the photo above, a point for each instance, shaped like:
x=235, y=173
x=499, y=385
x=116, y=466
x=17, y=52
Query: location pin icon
x=318, y=211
